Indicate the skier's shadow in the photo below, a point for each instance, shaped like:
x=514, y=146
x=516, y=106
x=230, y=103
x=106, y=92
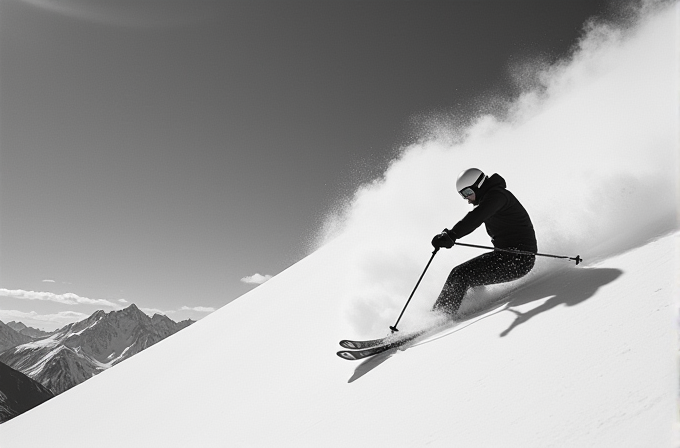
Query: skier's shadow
x=371, y=363
x=570, y=288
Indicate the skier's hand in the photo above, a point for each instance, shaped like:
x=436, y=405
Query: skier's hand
x=443, y=240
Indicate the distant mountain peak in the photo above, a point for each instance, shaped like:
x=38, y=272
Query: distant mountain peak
x=28, y=331
x=133, y=310
x=9, y=337
x=160, y=317
x=17, y=326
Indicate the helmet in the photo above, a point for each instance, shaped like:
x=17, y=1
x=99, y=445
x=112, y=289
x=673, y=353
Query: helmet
x=471, y=179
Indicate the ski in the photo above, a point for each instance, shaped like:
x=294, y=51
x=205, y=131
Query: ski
x=360, y=345
x=394, y=337
x=353, y=355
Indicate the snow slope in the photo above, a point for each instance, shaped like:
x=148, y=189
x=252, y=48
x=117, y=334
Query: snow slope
x=592, y=363
x=583, y=356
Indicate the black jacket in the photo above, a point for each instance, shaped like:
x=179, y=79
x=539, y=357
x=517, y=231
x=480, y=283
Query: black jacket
x=507, y=222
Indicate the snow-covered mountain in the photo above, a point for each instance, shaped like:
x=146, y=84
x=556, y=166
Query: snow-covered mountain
x=81, y=350
x=19, y=393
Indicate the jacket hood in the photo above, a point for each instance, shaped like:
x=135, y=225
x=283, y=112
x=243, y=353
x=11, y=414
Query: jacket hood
x=494, y=181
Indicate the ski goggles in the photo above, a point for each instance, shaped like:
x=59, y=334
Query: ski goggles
x=466, y=192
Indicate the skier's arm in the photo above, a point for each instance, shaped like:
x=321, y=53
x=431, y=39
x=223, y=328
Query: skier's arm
x=491, y=204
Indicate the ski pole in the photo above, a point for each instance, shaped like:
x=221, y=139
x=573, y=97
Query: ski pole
x=394, y=327
x=577, y=258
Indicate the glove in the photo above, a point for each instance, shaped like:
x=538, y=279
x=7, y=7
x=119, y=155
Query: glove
x=443, y=239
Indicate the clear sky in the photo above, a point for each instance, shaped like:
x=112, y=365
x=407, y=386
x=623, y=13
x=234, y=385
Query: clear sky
x=162, y=152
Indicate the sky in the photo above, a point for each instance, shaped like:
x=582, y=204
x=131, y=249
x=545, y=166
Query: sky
x=175, y=156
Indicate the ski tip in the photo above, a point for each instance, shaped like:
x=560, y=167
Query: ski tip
x=347, y=355
x=348, y=344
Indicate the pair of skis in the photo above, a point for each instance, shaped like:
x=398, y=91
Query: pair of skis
x=363, y=349
x=356, y=350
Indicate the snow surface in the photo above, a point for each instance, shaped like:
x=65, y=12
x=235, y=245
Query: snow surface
x=591, y=364
x=580, y=357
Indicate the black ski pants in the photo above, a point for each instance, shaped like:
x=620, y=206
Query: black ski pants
x=486, y=269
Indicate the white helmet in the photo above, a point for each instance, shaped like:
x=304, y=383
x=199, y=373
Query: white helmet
x=469, y=181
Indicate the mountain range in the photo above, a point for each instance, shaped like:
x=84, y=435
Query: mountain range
x=27, y=331
x=78, y=351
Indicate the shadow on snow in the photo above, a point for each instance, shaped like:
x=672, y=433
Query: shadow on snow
x=569, y=287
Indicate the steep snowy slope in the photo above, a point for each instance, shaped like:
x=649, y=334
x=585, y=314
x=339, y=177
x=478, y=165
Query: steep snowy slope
x=590, y=361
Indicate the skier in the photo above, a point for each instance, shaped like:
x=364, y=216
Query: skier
x=507, y=223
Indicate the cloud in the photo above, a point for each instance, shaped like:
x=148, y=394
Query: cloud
x=65, y=299
x=123, y=301
x=152, y=311
x=49, y=321
x=256, y=279
x=48, y=281
x=200, y=309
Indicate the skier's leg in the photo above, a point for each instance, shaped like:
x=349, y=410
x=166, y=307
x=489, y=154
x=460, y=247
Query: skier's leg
x=461, y=278
x=486, y=269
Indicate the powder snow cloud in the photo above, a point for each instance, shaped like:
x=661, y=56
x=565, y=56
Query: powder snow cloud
x=590, y=147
